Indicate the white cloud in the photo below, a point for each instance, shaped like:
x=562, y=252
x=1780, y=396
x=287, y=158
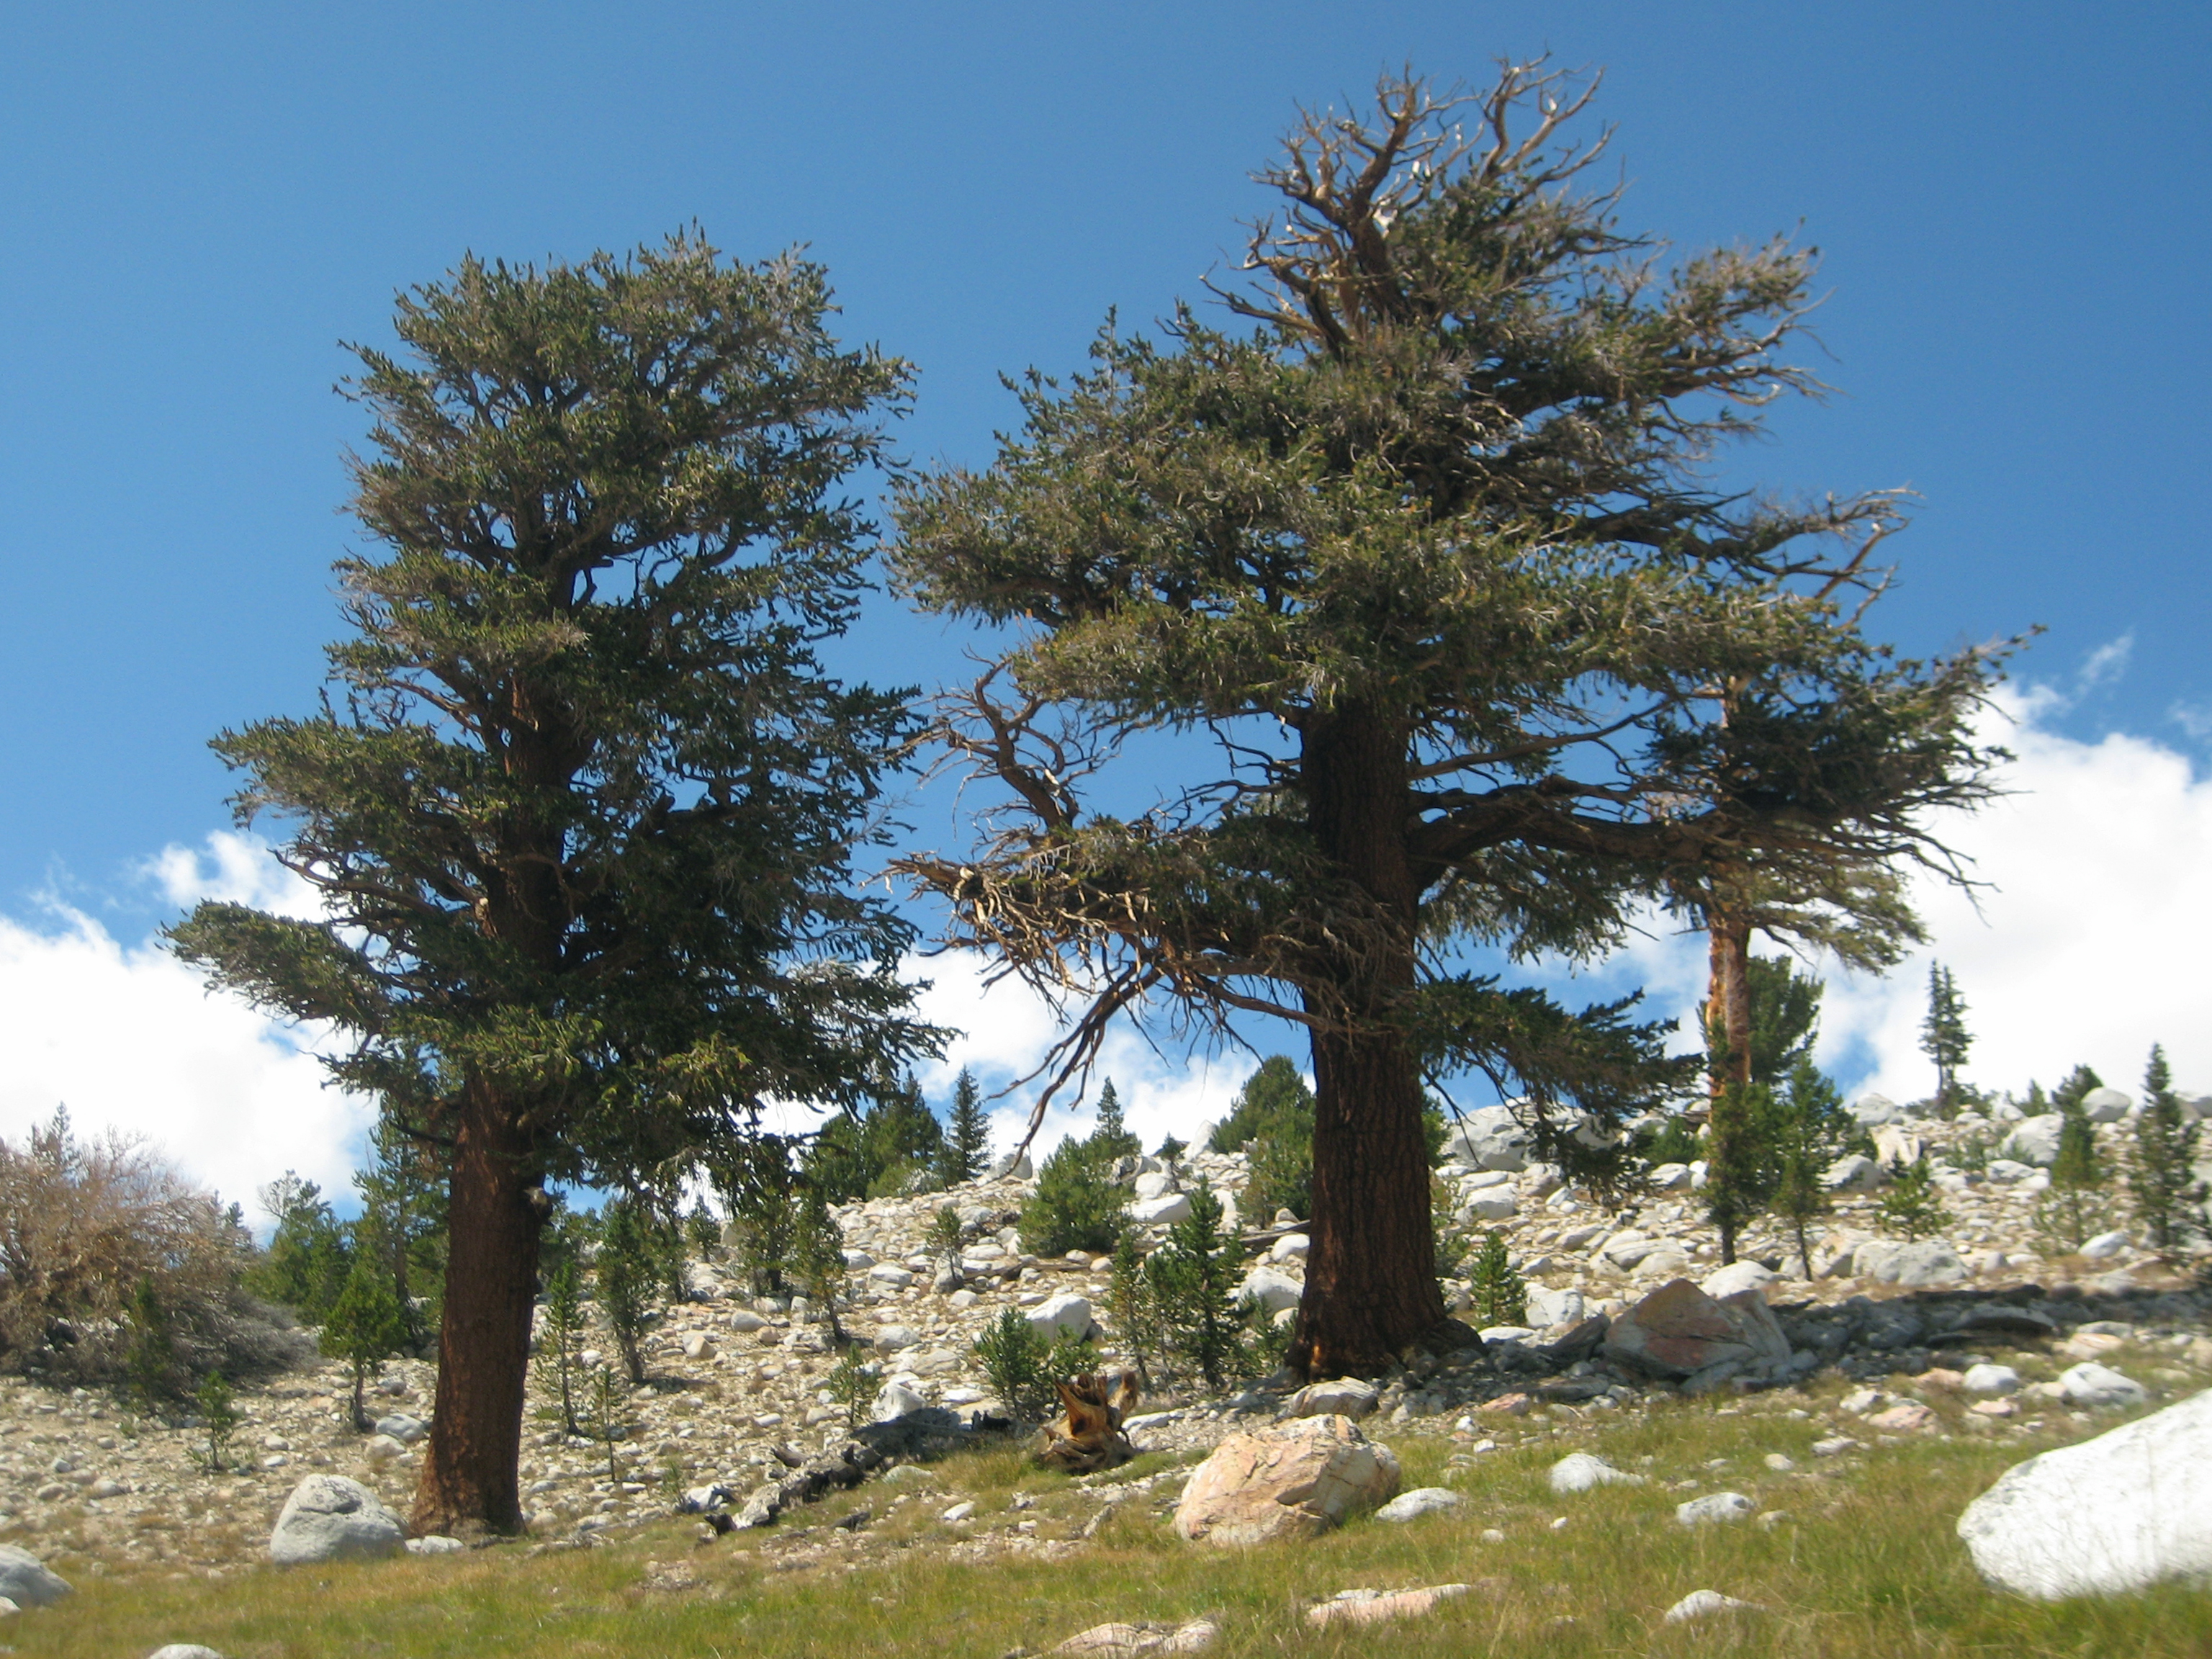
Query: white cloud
x=129, y=1038
x=2089, y=946
x=2105, y=664
x=235, y=869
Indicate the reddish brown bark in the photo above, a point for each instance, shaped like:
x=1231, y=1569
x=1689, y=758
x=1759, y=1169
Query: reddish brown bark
x=1728, y=1025
x=1370, y=1269
x=469, y=1481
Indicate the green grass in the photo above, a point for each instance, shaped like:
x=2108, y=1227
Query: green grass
x=1868, y=1565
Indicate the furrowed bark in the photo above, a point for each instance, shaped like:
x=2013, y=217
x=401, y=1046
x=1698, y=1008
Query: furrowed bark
x=1371, y=1272
x=468, y=1482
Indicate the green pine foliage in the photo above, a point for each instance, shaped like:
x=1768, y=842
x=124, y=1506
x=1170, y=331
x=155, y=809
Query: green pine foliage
x=1275, y=1090
x=2080, y=1083
x=964, y=1150
x=1805, y=1129
x=945, y=1238
x=218, y=1420
x=560, y=1343
x=1405, y=528
x=1913, y=1205
x=626, y=1271
x=854, y=1383
x=402, y=1225
x=875, y=1153
x=2074, y=1210
x=1944, y=1037
x=1194, y=1276
x=1674, y=1140
x=1112, y=1139
x=2162, y=1181
x=583, y=806
x=1274, y=1115
x=817, y=1258
x=1500, y=1295
x=364, y=1326
x=1790, y=1119
x=1013, y=1357
x=759, y=1187
x=1075, y=1205
x=307, y=1261
x=1132, y=1310
x=1785, y=1015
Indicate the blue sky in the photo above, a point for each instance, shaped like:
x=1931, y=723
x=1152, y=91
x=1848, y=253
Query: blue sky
x=202, y=203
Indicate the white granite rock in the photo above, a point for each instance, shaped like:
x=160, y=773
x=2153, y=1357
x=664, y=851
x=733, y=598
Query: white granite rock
x=26, y=1581
x=1163, y=1211
x=1704, y=1604
x=2090, y=1385
x=1718, y=1506
x=1583, y=1472
x=1987, y=1378
x=1065, y=1314
x=2034, y=1141
x=2105, y=1517
x=1347, y=1396
x=2107, y=1105
x=1737, y=1276
x=1913, y=1267
x=1291, y=1480
x=1273, y=1290
x=330, y=1518
x=1422, y=1500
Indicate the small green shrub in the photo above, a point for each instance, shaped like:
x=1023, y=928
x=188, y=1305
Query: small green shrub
x=1911, y=1205
x=626, y=1277
x=1133, y=1311
x=2161, y=1164
x=854, y=1383
x=1501, y=1295
x=1013, y=1357
x=945, y=1237
x=1194, y=1279
x=218, y=1420
x=558, y=1344
x=1076, y=1205
x=364, y=1326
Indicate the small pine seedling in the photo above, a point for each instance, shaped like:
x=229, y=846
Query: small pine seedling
x=1910, y=1205
x=1501, y=1296
x=218, y=1420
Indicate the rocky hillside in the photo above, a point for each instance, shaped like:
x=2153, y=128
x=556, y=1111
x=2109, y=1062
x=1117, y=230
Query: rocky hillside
x=736, y=1392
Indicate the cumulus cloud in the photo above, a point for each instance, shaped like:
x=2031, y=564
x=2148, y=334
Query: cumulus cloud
x=2086, y=945
x=129, y=1038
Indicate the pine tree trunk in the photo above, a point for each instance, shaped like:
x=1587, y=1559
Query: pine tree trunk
x=469, y=1481
x=1728, y=1008
x=1370, y=1269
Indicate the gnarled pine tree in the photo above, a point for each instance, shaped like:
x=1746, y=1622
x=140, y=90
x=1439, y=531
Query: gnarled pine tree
x=1428, y=549
x=580, y=808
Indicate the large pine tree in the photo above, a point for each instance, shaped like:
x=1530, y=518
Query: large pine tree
x=1427, y=543
x=581, y=803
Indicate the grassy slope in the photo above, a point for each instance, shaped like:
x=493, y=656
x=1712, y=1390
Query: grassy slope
x=1868, y=1566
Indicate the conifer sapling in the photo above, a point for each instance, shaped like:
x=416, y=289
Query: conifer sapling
x=2161, y=1168
x=364, y=1326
